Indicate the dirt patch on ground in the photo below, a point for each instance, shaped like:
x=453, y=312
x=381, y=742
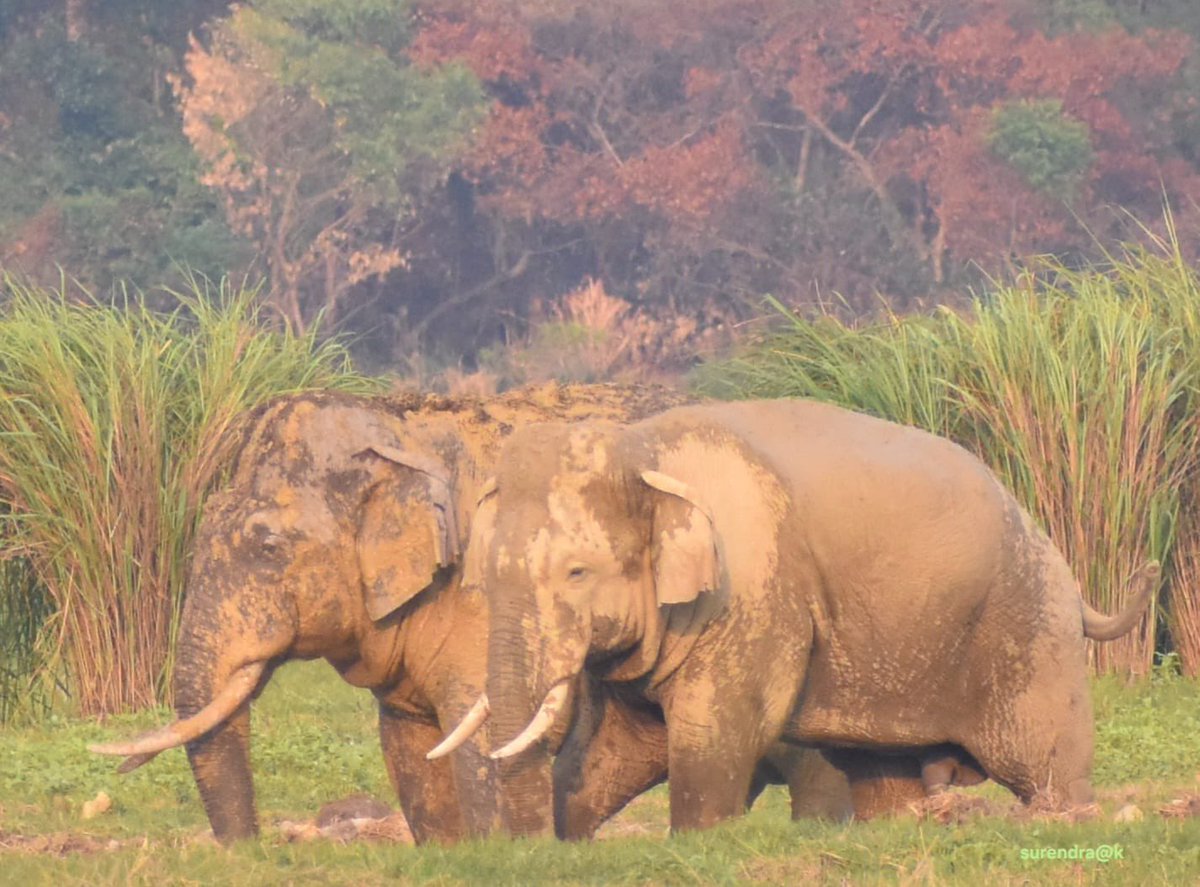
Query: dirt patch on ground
x=647, y=816
x=356, y=818
x=361, y=818
x=1184, y=807
x=57, y=844
x=954, y=808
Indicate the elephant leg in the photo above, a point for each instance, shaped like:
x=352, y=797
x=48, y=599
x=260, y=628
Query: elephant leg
x=817, y=788
x=708, y=785
x=426, y=788
x=712, y=755
x=879, y=784
x=614, y=752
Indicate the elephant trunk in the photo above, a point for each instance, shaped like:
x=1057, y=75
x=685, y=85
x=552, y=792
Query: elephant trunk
x=226, y=646
x=220, y=758
x=543, y=721
x=526, y=798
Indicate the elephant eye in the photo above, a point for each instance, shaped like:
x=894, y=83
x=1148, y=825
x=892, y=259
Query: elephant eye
x=577, y=573
x=272, y=542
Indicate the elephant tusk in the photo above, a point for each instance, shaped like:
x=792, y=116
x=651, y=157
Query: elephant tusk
x=134, y=761
x=465, y=730
x=541, y=722
x=236, y=691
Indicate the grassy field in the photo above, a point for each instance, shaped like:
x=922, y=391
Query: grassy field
x=315, y=743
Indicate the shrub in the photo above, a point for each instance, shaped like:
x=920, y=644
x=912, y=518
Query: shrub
x=1050, y=150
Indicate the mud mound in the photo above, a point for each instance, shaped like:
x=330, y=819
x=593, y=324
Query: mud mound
x=541, y=402
x=953, y=808
x=1043, y=809
x=356, y=818
x=1184, y=807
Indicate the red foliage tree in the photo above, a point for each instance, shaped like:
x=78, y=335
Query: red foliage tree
x=691, y=151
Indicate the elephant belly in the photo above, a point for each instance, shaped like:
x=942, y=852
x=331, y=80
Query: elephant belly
x=853, y=706
x=857, y=725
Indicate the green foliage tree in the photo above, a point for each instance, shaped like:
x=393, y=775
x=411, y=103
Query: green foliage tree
x=94, y=173
x=1050, y=150
x=323, y=139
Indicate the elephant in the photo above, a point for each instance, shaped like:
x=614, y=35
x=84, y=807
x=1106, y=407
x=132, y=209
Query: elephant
x=338, y=535
x=786, y=570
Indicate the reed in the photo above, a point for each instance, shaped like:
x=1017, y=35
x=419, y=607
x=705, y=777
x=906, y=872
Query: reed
x=114, y=422
x=1078, y=387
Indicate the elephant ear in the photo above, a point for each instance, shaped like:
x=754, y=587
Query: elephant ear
x=483, y=529
x=684, y=543
x=406, y=532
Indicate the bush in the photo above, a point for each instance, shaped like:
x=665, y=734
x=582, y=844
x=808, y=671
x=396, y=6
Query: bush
x=1052, y=151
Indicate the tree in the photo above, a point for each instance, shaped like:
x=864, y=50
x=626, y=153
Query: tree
x=322, y=139
x=709, y=152
x=95, y=177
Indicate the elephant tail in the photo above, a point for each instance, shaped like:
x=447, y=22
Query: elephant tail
x=1099, y=627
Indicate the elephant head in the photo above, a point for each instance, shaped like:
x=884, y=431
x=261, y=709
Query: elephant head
x=576, y=573
x=328, y=526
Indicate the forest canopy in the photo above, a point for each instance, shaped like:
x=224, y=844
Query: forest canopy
x=440, y=177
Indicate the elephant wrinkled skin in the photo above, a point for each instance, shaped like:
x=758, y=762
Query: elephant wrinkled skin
x=338, y=535
x=788, y=570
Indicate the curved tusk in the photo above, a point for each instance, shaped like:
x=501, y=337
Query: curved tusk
x=465, y=730
x=236, y=691
x=541, y=722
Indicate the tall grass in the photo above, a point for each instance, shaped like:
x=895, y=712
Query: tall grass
x=114, y=421
x=1078, y=387
x=24, y=608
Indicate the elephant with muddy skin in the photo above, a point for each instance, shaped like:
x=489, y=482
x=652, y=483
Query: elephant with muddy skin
x=781, y=570
x=339, y=536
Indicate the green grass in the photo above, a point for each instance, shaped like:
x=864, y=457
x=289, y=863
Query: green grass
x=314, y=741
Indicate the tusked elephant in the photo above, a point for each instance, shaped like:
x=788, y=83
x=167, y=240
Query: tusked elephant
x=339, y=536
x=770, y=570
